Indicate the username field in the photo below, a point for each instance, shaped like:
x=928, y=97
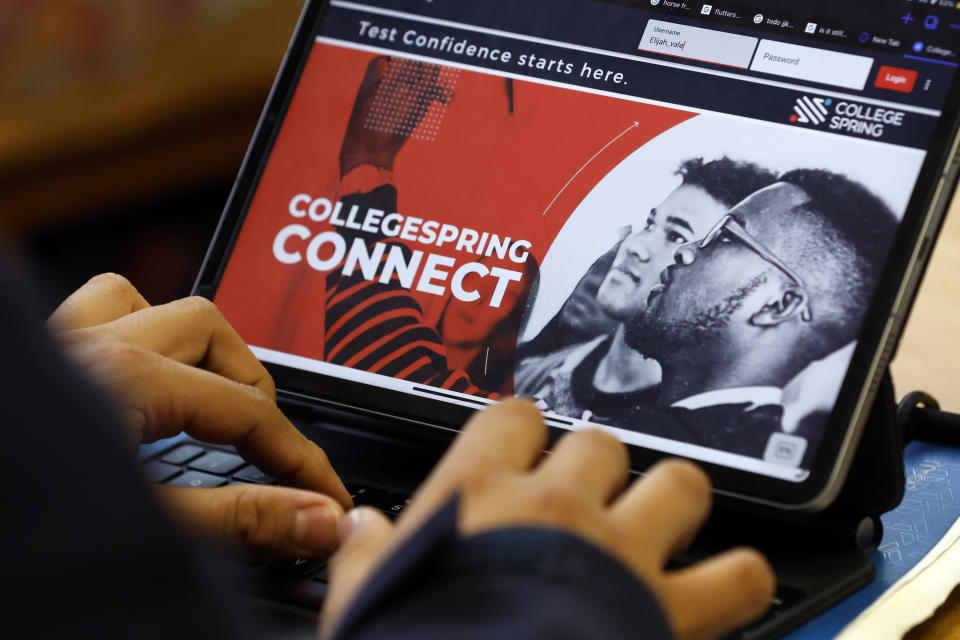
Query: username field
x=694, y=43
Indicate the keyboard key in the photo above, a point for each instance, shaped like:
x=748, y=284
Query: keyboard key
x=374, y=497
x=367, y=496
x=355, y=490
x=160, y=471
x=252, y=474
x=301, y=567
x=389, y=503
x=182, y=454
x=218, y=462
x=393, y=504
x=198, y=480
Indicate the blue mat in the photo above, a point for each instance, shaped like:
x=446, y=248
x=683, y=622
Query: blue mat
x=930, y=506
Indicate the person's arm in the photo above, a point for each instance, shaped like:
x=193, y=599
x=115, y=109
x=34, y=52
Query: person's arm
x=372, y=325
x=517, y=582
x=86, y=550
x=406, y=89
x=535, y=547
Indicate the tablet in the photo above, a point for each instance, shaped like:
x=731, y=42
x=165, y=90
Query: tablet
x=698, y=227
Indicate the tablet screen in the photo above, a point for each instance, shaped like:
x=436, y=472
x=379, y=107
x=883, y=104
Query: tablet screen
x=663, y=219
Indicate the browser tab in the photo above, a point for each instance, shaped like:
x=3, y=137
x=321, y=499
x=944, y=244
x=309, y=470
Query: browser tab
x=833, y=31
x=770, y=21
x=934, y=53
x=724, y=13
x=884, y=41
x=675, y=6
x=780, y=23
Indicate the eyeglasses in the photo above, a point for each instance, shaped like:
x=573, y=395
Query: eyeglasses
x=729, y=224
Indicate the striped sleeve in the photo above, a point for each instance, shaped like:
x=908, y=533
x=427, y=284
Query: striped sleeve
x=379, y=327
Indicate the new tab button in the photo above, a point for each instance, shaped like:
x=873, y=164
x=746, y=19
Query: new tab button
x=896, y=79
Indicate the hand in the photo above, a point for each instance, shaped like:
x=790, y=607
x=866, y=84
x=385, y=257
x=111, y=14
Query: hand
x=406, y=90
x=495, y=465
x=181, y=367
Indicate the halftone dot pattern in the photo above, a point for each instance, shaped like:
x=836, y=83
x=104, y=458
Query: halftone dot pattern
x=410, y=100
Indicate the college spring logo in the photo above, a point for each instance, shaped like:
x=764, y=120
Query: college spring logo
x=809, y=110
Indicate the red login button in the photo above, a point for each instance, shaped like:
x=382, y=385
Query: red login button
x=896, y=79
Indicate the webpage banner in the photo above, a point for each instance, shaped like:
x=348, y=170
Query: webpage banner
x=430, y=226
x=627, y=69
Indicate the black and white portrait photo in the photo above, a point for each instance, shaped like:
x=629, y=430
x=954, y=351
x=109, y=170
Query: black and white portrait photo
x=725, y=318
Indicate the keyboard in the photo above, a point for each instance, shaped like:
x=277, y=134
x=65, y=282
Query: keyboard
x=299, y=581
x=303, y=581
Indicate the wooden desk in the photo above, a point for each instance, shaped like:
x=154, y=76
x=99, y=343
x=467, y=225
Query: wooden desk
x=929, y=359
x=929, y=355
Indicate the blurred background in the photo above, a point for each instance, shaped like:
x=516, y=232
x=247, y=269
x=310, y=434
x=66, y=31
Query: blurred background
x=122, y=127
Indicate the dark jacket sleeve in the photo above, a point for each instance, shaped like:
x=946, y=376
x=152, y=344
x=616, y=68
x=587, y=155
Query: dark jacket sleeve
x=85, y=550
x=522, y=583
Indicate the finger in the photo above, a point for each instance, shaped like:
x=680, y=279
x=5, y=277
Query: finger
x=665, y=508
x=103, y=298
x=594, y=461
x=270, y=521
x=438, y=91
x=507, y=436
x=169, y=397
x=191, y=331
x=431, y=89
x=428, y=75
x=376, y=70
x=365, y=535
x=719, y=594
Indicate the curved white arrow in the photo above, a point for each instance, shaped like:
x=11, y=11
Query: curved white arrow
x=560, y=193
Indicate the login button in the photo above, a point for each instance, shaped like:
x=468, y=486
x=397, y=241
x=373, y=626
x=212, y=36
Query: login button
x=896, y=79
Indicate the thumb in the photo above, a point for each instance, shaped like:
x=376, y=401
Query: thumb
x=364, y=536
x=264, y=520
